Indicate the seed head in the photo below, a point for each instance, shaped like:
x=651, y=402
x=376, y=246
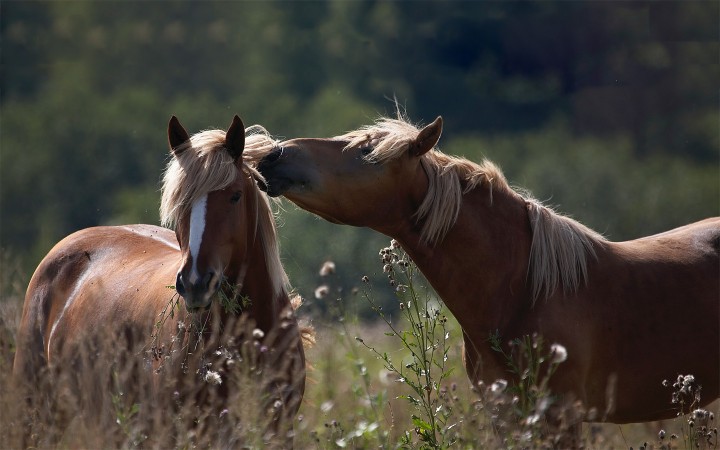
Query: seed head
x=498, y=386
x=213, y=377
x=327, y=268
x=558, y=354
x=321, y=291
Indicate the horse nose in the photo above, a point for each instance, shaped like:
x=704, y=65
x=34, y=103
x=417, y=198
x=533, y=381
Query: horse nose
x=180, y=285
x=198, y=294
x=208, y=281
x=273, y=156
x=271, y=159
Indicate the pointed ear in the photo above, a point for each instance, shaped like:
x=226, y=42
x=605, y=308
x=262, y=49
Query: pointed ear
x=427, y=138
x=176, y=135
x=235, y=138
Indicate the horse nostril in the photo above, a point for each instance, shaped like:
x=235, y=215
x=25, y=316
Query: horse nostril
x=179, y=285
x=270, y=158
x=207, y=280
x=274, y=155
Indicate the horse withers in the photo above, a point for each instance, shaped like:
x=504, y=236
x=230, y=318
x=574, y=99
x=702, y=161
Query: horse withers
x=114, y=289
x=630, y=314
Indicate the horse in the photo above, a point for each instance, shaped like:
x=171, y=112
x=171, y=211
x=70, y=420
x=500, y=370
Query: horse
x=123, y=283
x=629, y=314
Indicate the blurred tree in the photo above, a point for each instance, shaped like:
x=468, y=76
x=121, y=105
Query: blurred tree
x=608, y=109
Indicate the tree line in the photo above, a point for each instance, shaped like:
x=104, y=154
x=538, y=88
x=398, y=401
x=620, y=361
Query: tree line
x=607, y=109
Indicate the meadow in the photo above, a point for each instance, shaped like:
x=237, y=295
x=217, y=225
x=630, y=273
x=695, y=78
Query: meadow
x=396, y=382
x=606, y=109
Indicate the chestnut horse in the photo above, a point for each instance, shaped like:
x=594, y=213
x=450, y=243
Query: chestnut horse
x=119, y=279
x=630, y=314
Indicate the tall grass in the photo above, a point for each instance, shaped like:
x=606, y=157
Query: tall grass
x=401, y=385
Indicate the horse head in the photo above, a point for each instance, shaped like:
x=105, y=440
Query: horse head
x=362, y=178
x=212, y=211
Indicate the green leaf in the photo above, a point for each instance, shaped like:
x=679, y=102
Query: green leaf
x=420, y=423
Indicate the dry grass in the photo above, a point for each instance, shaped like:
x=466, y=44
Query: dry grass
x=340, y=401
x=351, y=400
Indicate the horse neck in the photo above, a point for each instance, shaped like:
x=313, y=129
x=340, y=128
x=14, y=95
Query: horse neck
x=479, y=269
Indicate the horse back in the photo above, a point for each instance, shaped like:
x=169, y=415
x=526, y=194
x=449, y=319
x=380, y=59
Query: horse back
x=695, y=245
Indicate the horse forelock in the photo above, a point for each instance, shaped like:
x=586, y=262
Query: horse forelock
x=199, y=166
x=258, y=143
x=389, y=138
x=203, y=165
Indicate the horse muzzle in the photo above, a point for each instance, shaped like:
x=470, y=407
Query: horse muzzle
x=197, y=295
x=279, y=173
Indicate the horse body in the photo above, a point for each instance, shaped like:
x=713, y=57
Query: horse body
x=642, y=317
x=630, y=314
x=97, y=277
x=115, y=289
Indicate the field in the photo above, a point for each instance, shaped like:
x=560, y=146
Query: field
x=354, y=395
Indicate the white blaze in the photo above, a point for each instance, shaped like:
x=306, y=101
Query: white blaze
x=197, y=228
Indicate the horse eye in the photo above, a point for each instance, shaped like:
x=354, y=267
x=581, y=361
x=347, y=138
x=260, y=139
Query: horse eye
x=236, y=197
x=366, y=150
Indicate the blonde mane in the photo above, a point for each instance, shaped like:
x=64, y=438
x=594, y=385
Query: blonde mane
x=203, y=165
x=560, y=245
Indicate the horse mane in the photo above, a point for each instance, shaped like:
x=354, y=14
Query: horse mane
x=559, y=251
x=560, y=245
x=203, y=165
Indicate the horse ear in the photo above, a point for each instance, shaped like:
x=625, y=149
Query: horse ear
x=427, y=138
x=176, y=135
x=235, y=138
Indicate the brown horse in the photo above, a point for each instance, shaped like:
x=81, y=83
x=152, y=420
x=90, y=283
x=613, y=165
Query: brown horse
x=118, y=279
x=630, y=314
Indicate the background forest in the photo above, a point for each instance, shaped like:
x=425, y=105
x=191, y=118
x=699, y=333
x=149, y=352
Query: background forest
x=608, y=110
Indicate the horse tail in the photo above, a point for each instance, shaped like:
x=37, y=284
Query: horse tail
x=30, y=358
